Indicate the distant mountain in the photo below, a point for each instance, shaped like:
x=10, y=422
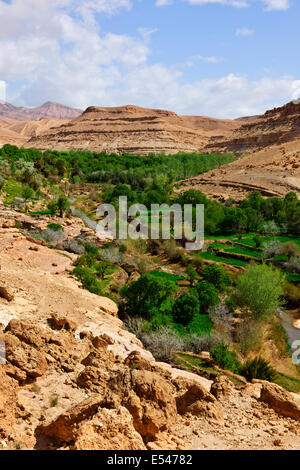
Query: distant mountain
x=47, y=110
x=135, y=130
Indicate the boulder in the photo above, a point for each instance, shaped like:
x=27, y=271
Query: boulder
x=279, y=399
x=136, y=361
x=6, y=294
x=197, y=401
x=222, y=386
x=109, y=430
x=23, y=356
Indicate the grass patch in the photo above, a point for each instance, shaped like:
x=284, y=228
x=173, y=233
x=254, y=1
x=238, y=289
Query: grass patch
x=289, y=383
x=220, y=259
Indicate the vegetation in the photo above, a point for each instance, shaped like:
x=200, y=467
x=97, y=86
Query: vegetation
x=259, y=290
x=258, y=368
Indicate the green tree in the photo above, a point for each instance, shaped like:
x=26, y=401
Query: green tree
x=216, y=275
x=259, y=289
x=185, y=308
x=103, y=268
x=257, y=240
x=27, y=193
x=207, y=295
x=148, y=296
x=62, y=205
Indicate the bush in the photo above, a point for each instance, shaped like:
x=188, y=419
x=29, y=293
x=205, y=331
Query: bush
x=207, y=295
x=162, y=342
x=216, y=275
x=259, y=289
x=258, y=368
x=289, y=249
x=185, y=308
x=249, y=335
x=55, y=227
x=88, y=279
x=271, y=248
x=198, y=343
x=200, y=325
x=225, y=358
x=52, y=236
x=192, y=275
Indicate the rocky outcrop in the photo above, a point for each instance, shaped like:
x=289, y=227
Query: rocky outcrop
x=276, y=126
x=280, y=400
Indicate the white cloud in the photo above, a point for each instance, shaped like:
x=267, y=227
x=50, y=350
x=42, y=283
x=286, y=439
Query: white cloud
x=2, y=90
x=244, y=32
x=163, y=3
x=208, y=60
x=276, y=4
x=233, y=3
x=226, y=97
x=269, y=5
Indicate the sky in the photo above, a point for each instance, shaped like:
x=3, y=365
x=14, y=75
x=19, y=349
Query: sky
x=221, y=58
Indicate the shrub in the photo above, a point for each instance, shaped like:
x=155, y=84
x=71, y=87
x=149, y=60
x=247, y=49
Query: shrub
x=249, y=335
x=225, y=358
x=259, y=289
x=185, y=308
x=55, y=227
x=258, y=368
x=207, y=295
x=271, y=248
x=88, y=279
x=27, y=193
x=216, y=275
x=294, y=264
x=200, y=325
x=257, y=240
x=162, y=342
x=197, y=343
x=289, y=249
x=192, y=275
x=52, y=236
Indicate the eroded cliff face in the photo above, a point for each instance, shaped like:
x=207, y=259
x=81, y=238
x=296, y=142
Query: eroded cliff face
x=275, y=127
x=75, y=379
x=133, y=130
x=272, y=165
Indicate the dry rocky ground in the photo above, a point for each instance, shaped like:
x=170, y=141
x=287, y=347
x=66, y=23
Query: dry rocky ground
x=75, y=379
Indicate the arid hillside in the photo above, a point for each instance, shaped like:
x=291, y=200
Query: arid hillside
x=47, y=110
x=271, y=144
x=134, y=130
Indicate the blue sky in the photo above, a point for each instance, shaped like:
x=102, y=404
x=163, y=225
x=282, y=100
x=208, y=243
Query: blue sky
x=223, y=58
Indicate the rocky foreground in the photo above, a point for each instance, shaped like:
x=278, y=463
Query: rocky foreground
x=75, y=379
